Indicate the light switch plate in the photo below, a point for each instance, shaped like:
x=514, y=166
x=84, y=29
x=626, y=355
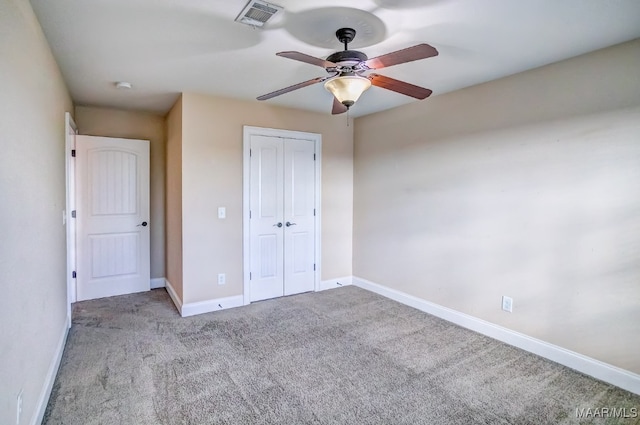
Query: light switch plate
x=222, y=212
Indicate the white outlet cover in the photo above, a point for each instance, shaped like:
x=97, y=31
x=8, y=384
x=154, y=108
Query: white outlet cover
x=222, y=212
x=507, y=303
x=222, y=279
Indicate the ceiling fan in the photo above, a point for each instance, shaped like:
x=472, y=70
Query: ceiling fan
x=346, y=68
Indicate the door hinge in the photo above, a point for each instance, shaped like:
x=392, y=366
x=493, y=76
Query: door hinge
x=73, y=274
x=314, y=212
x=73, y=214
x=249, y=214
x=249, y=275
x=314, y=267
x=314, y=156
x=73, y=153
x=250, y=152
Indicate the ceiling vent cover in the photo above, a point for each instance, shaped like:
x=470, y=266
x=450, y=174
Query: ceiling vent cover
x=256, y=13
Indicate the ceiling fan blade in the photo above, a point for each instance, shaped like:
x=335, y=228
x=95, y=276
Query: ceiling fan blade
x=307, y=59
x=399, y=86
x=410, y=54
x=338, y=108
x=292, y=88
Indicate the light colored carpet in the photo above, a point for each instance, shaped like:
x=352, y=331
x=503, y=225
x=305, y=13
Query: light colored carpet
x=343, y=356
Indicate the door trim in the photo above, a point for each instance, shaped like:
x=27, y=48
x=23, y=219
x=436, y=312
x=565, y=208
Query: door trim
x=71, y=130
x=316, y=138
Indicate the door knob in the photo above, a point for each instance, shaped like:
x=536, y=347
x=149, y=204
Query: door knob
x=288, y=224
x=278, y=224
x=143, y=224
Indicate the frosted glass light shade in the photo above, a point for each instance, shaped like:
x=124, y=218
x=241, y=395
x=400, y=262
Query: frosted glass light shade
x=347, y=89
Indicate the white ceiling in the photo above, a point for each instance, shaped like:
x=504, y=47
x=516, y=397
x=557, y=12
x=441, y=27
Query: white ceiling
x=164, y=47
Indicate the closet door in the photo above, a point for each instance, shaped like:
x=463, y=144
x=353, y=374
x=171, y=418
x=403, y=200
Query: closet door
x=282, y=224
x=267, y=210
x=299, y=210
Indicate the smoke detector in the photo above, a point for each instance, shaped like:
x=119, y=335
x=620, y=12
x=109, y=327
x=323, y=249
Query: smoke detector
x=256, y=13
x=123, y=85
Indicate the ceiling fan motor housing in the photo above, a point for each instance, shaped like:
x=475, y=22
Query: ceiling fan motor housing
x=351, y=57
x=347, y=56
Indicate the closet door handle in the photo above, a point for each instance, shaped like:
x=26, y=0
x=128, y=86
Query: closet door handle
x=278, y=225
x=288, y=224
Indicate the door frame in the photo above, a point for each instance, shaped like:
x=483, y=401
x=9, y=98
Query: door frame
x=71, y=130
x=247, y=132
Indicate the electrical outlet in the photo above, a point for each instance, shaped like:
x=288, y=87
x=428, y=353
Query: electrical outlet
x=222, y=278
x=19, y=407
x=222, y=212
x=507, y=303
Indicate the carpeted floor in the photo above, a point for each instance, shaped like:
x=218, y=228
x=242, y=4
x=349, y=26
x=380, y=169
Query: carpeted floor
x=343, y=356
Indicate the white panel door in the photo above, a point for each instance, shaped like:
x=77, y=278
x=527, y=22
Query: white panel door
x=299, y=206
x=266, y=227
x=282, y=225
x=112, y=184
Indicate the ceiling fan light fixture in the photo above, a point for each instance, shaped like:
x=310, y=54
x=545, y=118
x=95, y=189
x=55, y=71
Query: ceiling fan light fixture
x=347, y=88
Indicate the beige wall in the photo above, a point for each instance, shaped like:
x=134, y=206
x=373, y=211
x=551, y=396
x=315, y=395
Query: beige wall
x=33, y=100
x=174, y=197
x=528, y=186
x=106, y=122
x=212, y=177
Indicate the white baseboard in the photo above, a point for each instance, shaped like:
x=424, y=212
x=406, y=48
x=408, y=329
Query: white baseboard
x=605, y=372
x=172, y=294
x=200, y=307
x=158, y=282
x=43, y=399
x=335, y=283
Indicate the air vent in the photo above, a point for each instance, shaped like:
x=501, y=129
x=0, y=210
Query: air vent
x=256, y=13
